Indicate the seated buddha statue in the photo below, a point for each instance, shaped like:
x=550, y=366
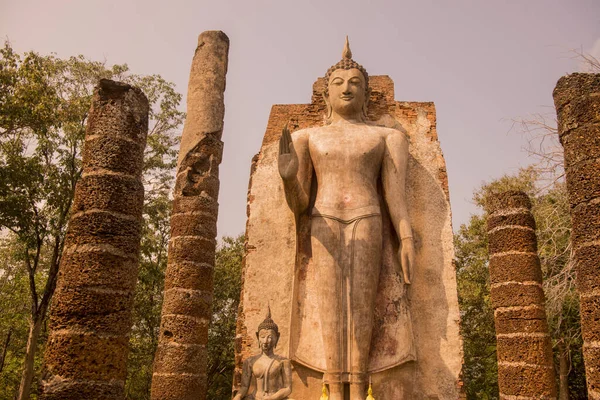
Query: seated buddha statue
x=266, y=376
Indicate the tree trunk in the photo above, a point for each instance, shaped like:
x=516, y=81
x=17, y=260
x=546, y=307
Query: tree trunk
x=5, y=349
x=34, y=332
x=38, y=316
x=563, y=370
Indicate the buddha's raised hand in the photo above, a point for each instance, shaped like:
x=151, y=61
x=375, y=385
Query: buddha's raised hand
x=288, y=159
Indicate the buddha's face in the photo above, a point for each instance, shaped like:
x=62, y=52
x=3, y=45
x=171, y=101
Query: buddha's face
x=267, y=339
x=347, y=91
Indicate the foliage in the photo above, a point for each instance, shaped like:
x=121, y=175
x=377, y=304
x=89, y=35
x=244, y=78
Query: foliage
x=13, y=303
x=44, y=101
x=221, y=333
x=480, y=371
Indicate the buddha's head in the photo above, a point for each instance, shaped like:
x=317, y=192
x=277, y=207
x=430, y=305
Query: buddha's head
x=347, y=92
x=267, y=333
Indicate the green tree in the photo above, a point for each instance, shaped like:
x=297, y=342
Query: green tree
x=221, y=332
x=480, y=371
x=44, y=102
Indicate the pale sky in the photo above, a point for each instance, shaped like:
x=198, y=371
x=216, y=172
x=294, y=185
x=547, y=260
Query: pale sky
x=483, y=63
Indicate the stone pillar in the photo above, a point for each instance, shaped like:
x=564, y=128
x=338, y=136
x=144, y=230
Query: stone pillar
x=525, y=364
x=577, y=101
x=181, y=358
x=90, y=321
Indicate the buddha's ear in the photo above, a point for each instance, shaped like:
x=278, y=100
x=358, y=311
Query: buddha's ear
x=365, y=109
x=329, y=110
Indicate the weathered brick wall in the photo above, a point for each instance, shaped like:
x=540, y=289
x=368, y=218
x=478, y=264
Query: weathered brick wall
x=577, y=101
x=525, y=364
x=180, y=361
x=87, y=347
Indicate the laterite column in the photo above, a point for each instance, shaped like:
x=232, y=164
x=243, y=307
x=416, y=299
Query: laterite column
x=90, y=321
x=577, y=101
x=180, y=362
x=525, y=365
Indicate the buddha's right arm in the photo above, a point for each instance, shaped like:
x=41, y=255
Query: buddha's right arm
x=241, y=393
x=296, y=196
x=245, y=384
x=297, y=186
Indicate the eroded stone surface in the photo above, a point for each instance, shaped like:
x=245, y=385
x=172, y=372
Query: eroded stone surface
x=87, y=347
x=180, y=361
x=525, y=365
x=577, y=101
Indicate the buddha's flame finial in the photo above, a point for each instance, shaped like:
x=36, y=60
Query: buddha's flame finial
x=370, y=391
x=324, y=393
x=347, y=53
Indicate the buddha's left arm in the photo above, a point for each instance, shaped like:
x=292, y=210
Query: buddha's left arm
x=393, y=176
